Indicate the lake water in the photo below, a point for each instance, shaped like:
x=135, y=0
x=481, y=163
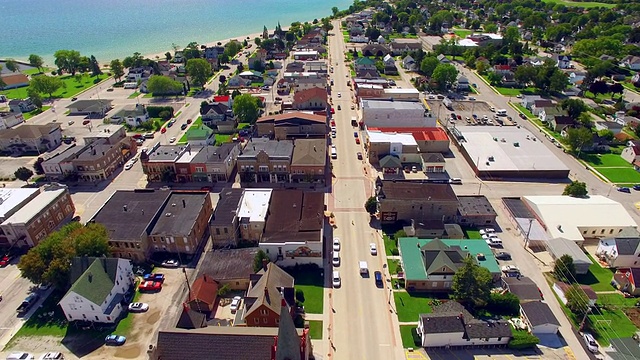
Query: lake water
x=117, y=28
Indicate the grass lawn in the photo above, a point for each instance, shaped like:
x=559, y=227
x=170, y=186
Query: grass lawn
x=72, y=87
x=243, y=125
x=462, y=32
x=315, y=329
x=524, y=110
x=410, y=307
x=42, y=324
x=620, y=175
x=585, y=5
x=401, y=36
x=221, y=139
x=35, y=112
x=311, y=283
x=630, y=86
x=616, y=300
x=472, y=233
x=605, y=160
x=36, y=71
x=597, y=277
x=389, y=245
x=134, y=95
x=393, y=266
x=409, y=335
x=609, y=324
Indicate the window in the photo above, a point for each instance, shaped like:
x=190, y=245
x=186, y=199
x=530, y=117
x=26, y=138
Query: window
x=264, y=320
x=217, y=231
x=499, y=339
x=108, y=318
x=611, y=231
x=97, y=318
x=92, y=308
x=226, y=231
x=256, y=320
x=602, y=231
x=264, y=312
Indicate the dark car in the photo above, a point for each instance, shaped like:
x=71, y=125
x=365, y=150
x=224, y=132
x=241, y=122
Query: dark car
x=154, y=277
x=636, y=187
x=377, y=275
x=503, y=255
x=522, y=116
x=116, y=340
x=74, y=98
x=6, y=260
x=359, y=154
x=624, y=189
x=183, y=127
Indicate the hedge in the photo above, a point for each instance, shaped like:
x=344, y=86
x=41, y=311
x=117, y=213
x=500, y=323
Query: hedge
x=523, y=340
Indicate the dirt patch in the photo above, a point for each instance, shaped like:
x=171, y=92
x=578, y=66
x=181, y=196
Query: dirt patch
x=128, y=352
x=153, y=317
x=37, y=344
x=634, y=315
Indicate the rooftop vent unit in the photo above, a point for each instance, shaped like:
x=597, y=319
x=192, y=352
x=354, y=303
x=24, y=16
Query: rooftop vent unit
x=516, y=144
x=167, y=214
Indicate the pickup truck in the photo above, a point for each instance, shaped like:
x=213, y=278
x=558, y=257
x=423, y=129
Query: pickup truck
x=28, y=303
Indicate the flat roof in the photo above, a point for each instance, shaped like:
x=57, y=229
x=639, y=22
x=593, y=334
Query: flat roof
x=226, y=207
x=470, y=205
x=36, y=205
x=188, y=156
x=10, y=198
x=401, y=91
x=167, y=153
x=294, y=216
x=380, y=104
x=565, y=216
x=409, y=190
x=380, y=137
x=228, y=264
x=254, y=204
x=180, y=213
x=499, y=143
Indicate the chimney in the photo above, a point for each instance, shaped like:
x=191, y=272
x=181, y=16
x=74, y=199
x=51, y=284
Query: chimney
x=184, y=203
x=266, y=292
x=90, y=277
x=124, y=208
x=264, y=264
x=185, y=306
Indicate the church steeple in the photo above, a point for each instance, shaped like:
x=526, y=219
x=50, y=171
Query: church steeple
x=288, y=347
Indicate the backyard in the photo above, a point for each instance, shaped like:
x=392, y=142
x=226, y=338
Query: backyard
x=70, y=88
x=610, y=324
x=586, y=4
x=597, y=277
x=310, y=281
x=410, y=306
x=471, y=233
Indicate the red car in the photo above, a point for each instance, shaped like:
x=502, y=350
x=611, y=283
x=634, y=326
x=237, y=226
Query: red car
x=5, y=260
x=138, y=136
x=357, y=140
x=164, y=130
x=333, y=111
x=189, y=121
x=333, y=123
x=150, y=286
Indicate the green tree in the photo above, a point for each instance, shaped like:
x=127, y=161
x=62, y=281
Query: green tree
x=507, y=304
x=428, y=65
x=574, y=107
x=445, y=75
x=564, y=269
x=37, y=166
x=44, y=84
x=232, y=48
x=577, y=300
x=525, y=74
x=511, y=35
x=246, y=108
x=371, y=205
x=258, y=260
x=191, y=51
x=399, y=235
x=472, y=283
x=67, y=60
x=35, y=97
x=575, y=189
x=577, y=138
x=168, y=56
x=606, y=134
x=36, y=61
x=558, y=81
x=78, y=78
x=162, y=85
x=334, y=10
x=491, y=28
x=117, y=69
x=50, y=260
x=12, y=65
x=94, y=66
x=23, y=174
x=494, y=78
x=199, y=71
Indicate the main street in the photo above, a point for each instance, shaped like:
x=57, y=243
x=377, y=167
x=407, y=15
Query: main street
x=362, y=325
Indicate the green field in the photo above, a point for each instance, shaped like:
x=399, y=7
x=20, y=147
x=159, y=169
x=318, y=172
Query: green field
x=605, y=160
x=393, y=266
x=586, y=5
x=315, y=329
x=35, y=112
x=72, y=87
x=462, y=32
x=597, y=277
x=609, y=324
x=616, y=300
x=410, y=306
x=311, y=283
x=619, y=175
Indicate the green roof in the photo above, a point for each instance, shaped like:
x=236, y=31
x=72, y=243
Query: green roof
x=364, y=61
x=201, y=132
x=94, y=284
x=412, y=261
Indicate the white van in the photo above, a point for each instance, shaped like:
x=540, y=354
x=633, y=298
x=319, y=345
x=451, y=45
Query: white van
x=501, y=112
x=334, y=152
x=20, y=356
x=456, y=181
x=335, y=279
x=493, y=241
x=364, y=268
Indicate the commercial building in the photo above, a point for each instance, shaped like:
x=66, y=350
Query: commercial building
x=561, y=246
x=264, y=160
x=90, y=107
x=34, y=139
x=378, y=113
x=475, y=210
x=224, y=222
x=309, y=161
x=230, y=267
x=214, y=163
x=406, y=201
x=252, y=214
x=429, y=140
x=293, y=125
x=400, y=145
x=158, y=163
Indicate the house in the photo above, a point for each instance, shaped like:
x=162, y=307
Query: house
x=21, y=105
x=34, y=139
x=560, y=246
x=310, y=99
x=292, y=125
x=238, y=82
x=229, y=267
x=475, y=210
x=619, y=251
x=539, y=318
x=613, y=126
x=264, y=160
x=561, y=288
x=10, y=119
x=223, y=225
x=258, y=57
x=368, y=74
x=132, y=115
x=389, y=65
x=364, y=63
x=98, y=289
x=13, y=81
x=631, y=61
x=450, y=324
x=430, y=264
x=400, y=45
x=409, y=63
x=547, y=114
x=214, y=163
x=309, y=161
x=200, y=136
x=251, y=75
x=538, y=105
x=528, y=100
x=294, y=231
x=358, y=38
x=203, y=295
x=560, y=122
x=404, y=200
x=90, y=107
x=269, y=289
x=563, y=61
x=522, y=287
x=377, y=50
x=50, y=209
x=631, y=153
x=190, y=319
x=443, y=59
x=627, y=280
x=576, y=77
x=212, y=54
x=432, y=162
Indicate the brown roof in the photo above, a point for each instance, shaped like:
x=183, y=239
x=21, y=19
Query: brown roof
x=306, y=95
x=293, y=116
x=28, y=131
x=586, y=288
x=15, y=79
x=205, y=290
x=294, y=215
x=228, y=264
x=309, y=152
x=402, y=190
x=268, y=290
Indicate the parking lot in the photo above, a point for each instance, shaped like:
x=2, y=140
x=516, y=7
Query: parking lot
x=465, y=111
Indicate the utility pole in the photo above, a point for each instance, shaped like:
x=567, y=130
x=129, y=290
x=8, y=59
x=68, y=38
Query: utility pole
x=526, y=240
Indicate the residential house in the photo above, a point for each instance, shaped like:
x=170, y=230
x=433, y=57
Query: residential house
x=358, y=38
x=214, y=163
x=561, y=122
x=377, y=50
x=13, y=81
x=190, y=319
x=529, y=100
x=212, y=54
x=547, y=114
x=430, y=264
x=10, y=119
x=539, y=318
x=443, y=59
x=132, y=115
x=229, y=267
x=560, y=246
x=98, y=289
x=28, y=138
x=219, y=115
x=450, y=324
x=258, y=57
x=432, y=162
x=44, y=214
x=223, y=226
x=409, y=63
x=203, y=295
x=236, y=81
x=158, y=163
x=368, y=74
x=475, y=210
x=310, y=99
x=404, y=200
x=619, y=251
x=522, y=287
x=389, y=65
x=269, y=289
x=292, y=125
x=613, y=126
x=21, y=105
x=202, y=135
x=264, y=160
x=309, y=161
x=90, y=107
x=364, y=63
x=561, y=288
x=294, y=231
x=631, y=61
x=627, y=280
x=252, y=213
x=538, y=105
x=576, y=77
x=631, y=154
x=400, y=45
x=563, y=61
x=182, y=224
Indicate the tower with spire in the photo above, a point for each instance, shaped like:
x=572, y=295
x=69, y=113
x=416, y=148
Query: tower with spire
x=265, y=33
x=288, y=345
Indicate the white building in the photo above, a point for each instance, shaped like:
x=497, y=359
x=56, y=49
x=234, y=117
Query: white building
x=619, y=251
x=401, y=145
x=402, y=94
x=99, y=286
x=378, y=113
x=13, y=199
x=252, y=213
x=579, y=218
x=133, y=115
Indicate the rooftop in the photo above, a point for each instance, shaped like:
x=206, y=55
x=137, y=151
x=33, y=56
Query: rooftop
x=474, y=205
x=382, y=137
x=273, y=148
x=268, y=290
x=419, y=133
x=226, y=207
x=254, y=204
x=294, y=116
x=36, y=205
x=309, y=152
x=90, y=105
x=93, y=278
x=130, y=111
x=406, y=190
x=10, y=198
x=179, y=214
x=166, y=153
x=29, y=131
x=295, y=216
x=396, y=105
x=522, y=287
x=561, y=246
x=214, y=154
x=538, y=313
x=95, y=150
x=228, y=264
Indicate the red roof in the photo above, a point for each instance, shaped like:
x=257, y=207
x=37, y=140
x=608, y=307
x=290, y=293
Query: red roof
x=221, y=98
x=15, y=79
x=305, y=95
x=419, y=133
x=204, y=289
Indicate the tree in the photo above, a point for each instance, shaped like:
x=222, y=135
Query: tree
x=472, y=283
x=525, y=74
x=428, y=65
x=616, y=88
x=191, y=51
x=575, y=189
x=577, y=300
x=494, y=78
x=199, y=71
x=67, y=60
x=334, y=10
x=95, y=67
x=44, y=84
x=504, y=304
x=162, y=85
x=50, y=260
x=36, y=61
x=564, y=269
x=579, y=138
x=23, y=174
x=574, y=107
x=558, y=81
x=78, y=78
x=37, y=166
x=599, y=87
x=606, y=134
x=258, y=260
x=371, y=205
x=35, y=97
x=168, y=56
x=117, y=69
x=445, y=75
x=246, y=108
x=12, y=65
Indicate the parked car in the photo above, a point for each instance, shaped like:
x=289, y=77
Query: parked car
x=154, y=277
x=359, y=154
x=591, y=343
x=20, y=356
x=86, y=122
x=510, y=269
x=624, y=189
x=503, y=255
x=335, y=279
x=358, y=141
x=355, y=134
x=52, y=356
x=636, y=187
x=336, y=244
x=183, y=126
x=6, y=260
x=339, y=95
x=138, y=307
x=170, y=263
x=373, y=249
x=164, y=130
x=339, y=108
x=235, y=304
x=150, y=286
x=188, y=121
x=487, y=231
x=115, y=340
x=172, y=140
x=128, y=165
x=70, y=122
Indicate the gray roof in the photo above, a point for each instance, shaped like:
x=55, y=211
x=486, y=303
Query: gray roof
x=390, y=161
x=95, y=150
x=273, y=148
x=191, y=319
x=452, y=317
x=90, y=105
x=470, y=205
x=213, y=154
x=226, y=207
x=228, y=264
x=627, y=246
x=179, y=214
x=166, y=153
x=539, y=313
x=294, y=215
x=432, y=157
x=67, y=153
x=268, y=289
x=625, y=349
x=309, y=152
x=141, y=207
x=522, y=287
x=561, y=246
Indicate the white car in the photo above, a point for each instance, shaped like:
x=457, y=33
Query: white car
x=490, y=236
x=335, y=279
x=492, y=109
x=339, y=95
x=487, y=231
x=592, y=345
x=52, y=356
x=128, y=165
x=510, y=269
x=336, y=244
x=235, y=304
x=171, y=263
x=335, y=260
x=373, y=249
x=172, y=140
x=70, y=122
x=21, y=355
x=138, y=307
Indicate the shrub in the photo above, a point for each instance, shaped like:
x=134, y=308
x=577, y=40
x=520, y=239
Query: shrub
x=154, y=111
x=300, y=295
x=395, y=252
x=523, y=340
x=165, y=115
x=503, y=304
